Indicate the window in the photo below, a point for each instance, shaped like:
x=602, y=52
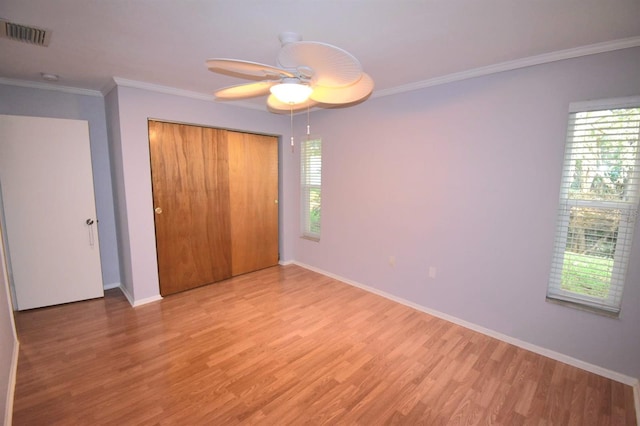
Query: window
x=598, y=205
x=310, y=187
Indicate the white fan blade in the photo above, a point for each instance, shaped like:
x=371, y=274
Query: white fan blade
x=244, y=91
x=343, y=95
x=331, y=65
x=246, y=69
x=275, y=105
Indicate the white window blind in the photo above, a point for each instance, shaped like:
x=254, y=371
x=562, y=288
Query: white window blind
x=598, y=207
x=311, y=187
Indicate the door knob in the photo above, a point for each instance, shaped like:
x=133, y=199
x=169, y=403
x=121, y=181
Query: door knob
x=158, y=210
x=90, y=222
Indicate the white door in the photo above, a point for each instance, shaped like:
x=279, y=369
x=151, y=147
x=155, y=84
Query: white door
x=49, y=211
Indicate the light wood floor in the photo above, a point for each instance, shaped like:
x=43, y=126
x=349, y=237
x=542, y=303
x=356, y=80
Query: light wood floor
x=288, y=346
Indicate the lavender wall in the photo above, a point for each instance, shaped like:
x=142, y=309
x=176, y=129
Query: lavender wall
x=465, y=177
x=16, y=100
x=132, y=171
x=112, y=115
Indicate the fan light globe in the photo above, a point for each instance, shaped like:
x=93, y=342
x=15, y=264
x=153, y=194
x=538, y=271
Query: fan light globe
x=291, y=92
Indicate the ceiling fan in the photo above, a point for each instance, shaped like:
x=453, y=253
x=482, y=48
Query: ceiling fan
x=308, y=74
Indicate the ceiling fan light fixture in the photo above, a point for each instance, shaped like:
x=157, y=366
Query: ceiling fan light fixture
x=308, y=73
x=291, y=92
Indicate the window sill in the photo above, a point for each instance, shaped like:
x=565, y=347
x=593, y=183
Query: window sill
x=310, y=238
x=584, y=308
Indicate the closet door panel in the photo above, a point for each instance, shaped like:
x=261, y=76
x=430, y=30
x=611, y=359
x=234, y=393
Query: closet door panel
x=191, y=200
x=253, y=193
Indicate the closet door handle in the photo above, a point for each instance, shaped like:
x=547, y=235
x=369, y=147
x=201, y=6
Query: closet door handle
x=158, y=210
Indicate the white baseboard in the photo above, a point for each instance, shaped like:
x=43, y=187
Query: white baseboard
x=636, y=399
x=135, y=303
x=146, y=300
x=613, y=375
x=11, y=385
x=129, y=297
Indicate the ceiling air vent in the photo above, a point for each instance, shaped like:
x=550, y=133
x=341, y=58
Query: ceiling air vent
x=24, y=33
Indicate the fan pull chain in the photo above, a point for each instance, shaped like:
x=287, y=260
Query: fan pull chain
x=291, y=115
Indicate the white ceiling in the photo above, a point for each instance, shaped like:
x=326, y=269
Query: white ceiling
x=401, y=43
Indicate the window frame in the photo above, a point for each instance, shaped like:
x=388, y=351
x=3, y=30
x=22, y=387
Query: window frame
x=611, y=304
x=307, y=188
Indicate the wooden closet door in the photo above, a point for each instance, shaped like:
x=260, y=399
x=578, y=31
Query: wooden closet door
x=253, y=183
x=191, y=200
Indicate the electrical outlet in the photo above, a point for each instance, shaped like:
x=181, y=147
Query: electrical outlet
x=432, y=272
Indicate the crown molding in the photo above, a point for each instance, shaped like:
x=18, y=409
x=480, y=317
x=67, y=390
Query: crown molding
x=49, y=86
x=119, y=81
x=111, y=84
x=545, y=58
